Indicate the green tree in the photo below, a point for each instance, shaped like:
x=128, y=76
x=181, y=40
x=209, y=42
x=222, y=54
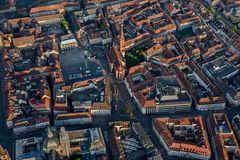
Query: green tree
x=20, y=5
x=135, y=56
x=234, y=29
x=64, y=24
x=210, y=9
x=217, y=17
x=131, y=60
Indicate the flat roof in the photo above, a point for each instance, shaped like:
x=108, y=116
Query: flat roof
x=220, y=67
x=29, y=148
x=169, y=90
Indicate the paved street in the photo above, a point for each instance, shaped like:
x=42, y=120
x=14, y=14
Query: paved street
x=126, y=108
x=6, y=138
x=3, y=132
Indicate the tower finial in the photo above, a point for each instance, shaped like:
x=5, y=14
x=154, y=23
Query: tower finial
x=50, y=134
x=122, y=41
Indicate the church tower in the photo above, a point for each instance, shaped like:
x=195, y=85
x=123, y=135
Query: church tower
x=51, y=143
x=122, y=41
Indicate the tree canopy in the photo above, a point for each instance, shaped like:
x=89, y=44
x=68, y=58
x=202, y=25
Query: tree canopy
x=135, y=56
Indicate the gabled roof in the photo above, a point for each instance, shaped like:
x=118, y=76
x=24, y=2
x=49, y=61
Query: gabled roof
x=46, y=8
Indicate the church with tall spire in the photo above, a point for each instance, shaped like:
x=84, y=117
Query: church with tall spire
x=116, y=55
x=51, y=144
x=122, y=41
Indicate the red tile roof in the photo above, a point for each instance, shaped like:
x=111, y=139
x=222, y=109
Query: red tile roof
x=160, y=126
x=46, y=8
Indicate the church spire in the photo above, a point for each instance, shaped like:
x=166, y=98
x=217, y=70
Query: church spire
x=49, y=133
x=122, y=41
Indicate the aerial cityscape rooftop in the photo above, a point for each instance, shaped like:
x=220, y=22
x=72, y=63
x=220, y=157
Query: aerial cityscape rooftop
x=119, y=79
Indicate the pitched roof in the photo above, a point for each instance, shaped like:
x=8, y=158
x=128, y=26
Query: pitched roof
x=46, y=8
x=160, y=125
x=23, y=41
x=115, y=57
x=49, y=17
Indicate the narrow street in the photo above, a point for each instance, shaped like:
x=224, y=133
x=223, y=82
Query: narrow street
x=6, y=138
